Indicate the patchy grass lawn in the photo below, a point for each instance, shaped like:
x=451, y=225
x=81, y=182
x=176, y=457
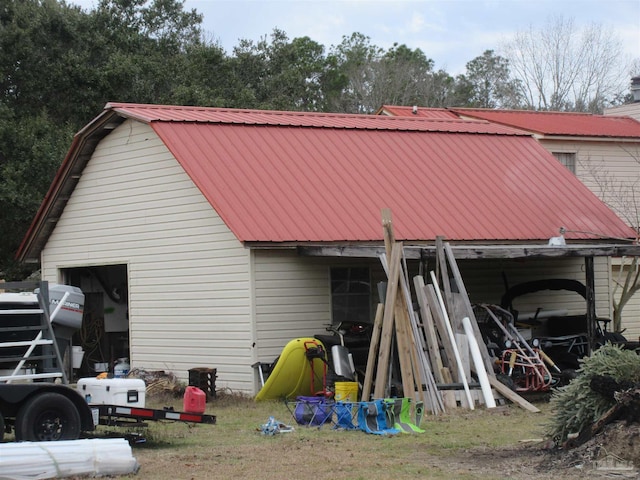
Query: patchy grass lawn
x=479, y=444
x=501, y=443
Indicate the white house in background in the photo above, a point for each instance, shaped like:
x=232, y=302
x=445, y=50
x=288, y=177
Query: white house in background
x=198, y=234
x=630, y=109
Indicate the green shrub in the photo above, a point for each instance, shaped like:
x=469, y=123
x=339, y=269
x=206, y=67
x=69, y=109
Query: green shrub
x=576, y=405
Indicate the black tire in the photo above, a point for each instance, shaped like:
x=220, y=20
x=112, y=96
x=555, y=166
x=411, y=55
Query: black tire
x=1, y=427
x=47, y=417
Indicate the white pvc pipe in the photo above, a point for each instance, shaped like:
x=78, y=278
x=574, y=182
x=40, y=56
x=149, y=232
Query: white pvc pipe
x=489, y=401
x=67, y=458
x=452, y=338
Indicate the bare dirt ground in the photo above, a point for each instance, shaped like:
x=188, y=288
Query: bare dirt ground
x=615, y=453
x=595, y=459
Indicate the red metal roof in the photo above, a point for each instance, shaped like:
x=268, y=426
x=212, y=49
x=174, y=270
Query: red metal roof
x=275, y=177
x=559, y=123
x=423, y=112
x=306, y=177
x=172, y=113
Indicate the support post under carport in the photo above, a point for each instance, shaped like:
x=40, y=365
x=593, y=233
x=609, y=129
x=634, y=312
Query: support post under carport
x=591, y=303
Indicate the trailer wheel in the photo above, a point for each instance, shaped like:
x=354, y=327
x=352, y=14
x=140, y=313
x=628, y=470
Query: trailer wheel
x=46, y=417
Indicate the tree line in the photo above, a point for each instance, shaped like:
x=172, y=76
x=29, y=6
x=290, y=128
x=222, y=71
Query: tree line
x=60, y=64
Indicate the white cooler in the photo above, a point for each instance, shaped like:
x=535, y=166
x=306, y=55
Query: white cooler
x=126, y=392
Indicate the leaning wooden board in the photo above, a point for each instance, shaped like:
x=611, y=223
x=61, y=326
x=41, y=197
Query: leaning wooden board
x=511, y=395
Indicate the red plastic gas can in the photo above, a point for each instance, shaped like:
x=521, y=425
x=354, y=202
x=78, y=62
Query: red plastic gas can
x=195, y=400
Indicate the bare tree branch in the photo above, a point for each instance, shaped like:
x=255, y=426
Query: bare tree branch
x=562, y=68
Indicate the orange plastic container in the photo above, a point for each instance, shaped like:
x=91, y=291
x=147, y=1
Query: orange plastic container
x=195, y=400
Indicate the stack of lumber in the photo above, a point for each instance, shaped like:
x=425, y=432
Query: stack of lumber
x=442, y=358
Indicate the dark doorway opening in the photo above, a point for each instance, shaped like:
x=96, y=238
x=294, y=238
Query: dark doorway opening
x=104, y=335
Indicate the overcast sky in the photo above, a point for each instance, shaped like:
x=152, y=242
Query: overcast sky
x=451, y=32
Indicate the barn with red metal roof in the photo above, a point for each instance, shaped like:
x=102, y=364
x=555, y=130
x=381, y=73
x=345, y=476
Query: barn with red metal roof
x=202, y=216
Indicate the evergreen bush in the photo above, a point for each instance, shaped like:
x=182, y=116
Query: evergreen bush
x=577, y=405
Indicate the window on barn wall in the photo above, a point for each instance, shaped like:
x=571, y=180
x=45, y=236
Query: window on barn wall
x=567, y=159
x=350, y=294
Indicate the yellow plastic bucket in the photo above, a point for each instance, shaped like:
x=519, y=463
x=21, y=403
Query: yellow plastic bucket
x=346, y=392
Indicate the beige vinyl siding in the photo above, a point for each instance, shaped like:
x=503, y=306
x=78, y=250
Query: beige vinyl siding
x=484, y=281
x=485, y=284
x=631, y=110
x=631, y=319
x=292, y=293
x=189, y=280
x=292, y=299
x=611, y=170
x=631, y=311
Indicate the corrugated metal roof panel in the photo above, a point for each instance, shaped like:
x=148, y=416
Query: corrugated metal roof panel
x=559, y=123
x=289, y=183
x=170, y=113
x=422, y=112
